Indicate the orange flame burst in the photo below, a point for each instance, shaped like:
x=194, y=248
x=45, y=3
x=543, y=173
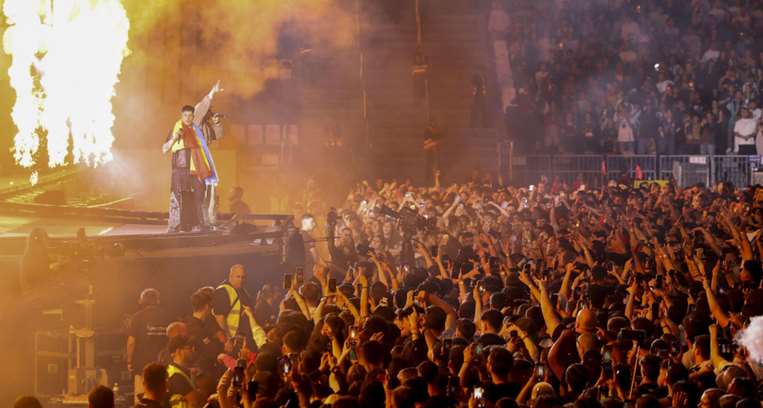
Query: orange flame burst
x=66, y=60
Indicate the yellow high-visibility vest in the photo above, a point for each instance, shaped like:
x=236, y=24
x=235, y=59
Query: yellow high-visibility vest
x=177, y=400
x=233, y=319
x=234, y=315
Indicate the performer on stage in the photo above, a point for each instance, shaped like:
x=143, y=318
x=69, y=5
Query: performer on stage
x=212, y=129
x=192, y=167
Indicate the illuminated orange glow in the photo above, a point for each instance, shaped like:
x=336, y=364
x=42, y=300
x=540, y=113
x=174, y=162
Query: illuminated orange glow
x=66, y=60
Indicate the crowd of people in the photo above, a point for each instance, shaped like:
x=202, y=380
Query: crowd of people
x=634, y=76
x=480, y=295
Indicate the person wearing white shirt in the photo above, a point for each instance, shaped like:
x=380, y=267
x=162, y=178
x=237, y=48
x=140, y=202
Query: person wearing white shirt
x=625, y=138
x=712, y=53
x=744, y=133
x=663, y=82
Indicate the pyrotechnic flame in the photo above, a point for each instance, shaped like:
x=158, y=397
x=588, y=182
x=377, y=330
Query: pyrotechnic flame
x=66, y=60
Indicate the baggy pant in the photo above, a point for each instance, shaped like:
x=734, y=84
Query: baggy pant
x=209, y=211
x=186, y=209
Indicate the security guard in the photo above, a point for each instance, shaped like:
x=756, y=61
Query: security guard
x=181, y=390
x=232, y=308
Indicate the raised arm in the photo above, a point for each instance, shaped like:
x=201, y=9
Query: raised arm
x=477, y=305
x=201, y=108
x=452, y=207
x=380, y=272
x=363, y=295
x=529, y=344
x=715, y=309
x=499, y=208
x=451, y=313
x=630, y=302
x=258, y=333
x=424, y=252
x=294, y=293
x=547, y=309
x=564, y=291
x=353, y=310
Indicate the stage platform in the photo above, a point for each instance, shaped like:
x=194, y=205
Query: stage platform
x=131, y=229
x=124, y=251
x=132, y=246
x=19, y=225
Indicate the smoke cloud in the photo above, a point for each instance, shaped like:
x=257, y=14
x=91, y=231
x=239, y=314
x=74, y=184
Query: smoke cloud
x=180, y=49
x=752, y=339
x=232, y=40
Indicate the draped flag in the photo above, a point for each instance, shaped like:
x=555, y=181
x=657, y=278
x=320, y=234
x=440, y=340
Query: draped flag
x=202, y=164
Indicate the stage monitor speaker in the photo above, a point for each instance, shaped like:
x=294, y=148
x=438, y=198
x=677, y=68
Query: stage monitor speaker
x=82, y=380
x=51, y=363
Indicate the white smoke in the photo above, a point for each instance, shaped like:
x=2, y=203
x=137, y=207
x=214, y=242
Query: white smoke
x=752, y=339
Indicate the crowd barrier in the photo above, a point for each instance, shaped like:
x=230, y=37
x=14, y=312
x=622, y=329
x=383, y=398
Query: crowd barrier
x=597, y=170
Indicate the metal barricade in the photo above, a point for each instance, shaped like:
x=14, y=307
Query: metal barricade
x=685, y=170
x=632, y=165
x=737, y=170
x=592, y=170
x=528, y=170
x=587, y=168
x=596, y=170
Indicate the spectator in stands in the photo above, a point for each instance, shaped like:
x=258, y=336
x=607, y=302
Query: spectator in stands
x=667, y=134
x=744, y=133
x=625, y=138
x=573, y=71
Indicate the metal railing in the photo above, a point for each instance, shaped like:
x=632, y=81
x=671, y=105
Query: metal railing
x=597, y=170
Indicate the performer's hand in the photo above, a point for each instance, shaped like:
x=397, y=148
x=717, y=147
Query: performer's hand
x=215, y=89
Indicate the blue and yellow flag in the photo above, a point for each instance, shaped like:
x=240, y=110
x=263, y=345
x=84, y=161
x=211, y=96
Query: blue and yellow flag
x=202, y=164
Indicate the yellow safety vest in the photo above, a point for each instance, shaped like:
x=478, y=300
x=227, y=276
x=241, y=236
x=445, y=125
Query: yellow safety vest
x=233, y=319
x=177, y=400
